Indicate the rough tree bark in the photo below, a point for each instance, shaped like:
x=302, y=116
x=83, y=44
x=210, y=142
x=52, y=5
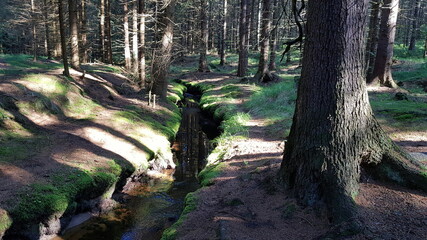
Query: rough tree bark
x=243, y=50
x=83, y=32
x=63, y=38
x=273, y=37
x=108, y=41
x=371, y=46
x=128, y=60
x=263, y=74
x=162, y=57
x=414, y=29
x=102, y=47
x=135, y=62
x=334, y=130
x=74, y=34
x=141, y=52
x=34, y=30
x=384, y=58
x=224, y=34
x=203, y=62
x=48, y=42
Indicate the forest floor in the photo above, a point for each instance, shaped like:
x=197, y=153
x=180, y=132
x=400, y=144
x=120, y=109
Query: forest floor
x=68, y=140
x=242, y=199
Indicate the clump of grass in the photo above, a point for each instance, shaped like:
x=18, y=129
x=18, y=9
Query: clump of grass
x=209, y=173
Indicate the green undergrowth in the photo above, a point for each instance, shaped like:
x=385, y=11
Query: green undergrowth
x=189, y=206
x=208, y=174
x=18, y=64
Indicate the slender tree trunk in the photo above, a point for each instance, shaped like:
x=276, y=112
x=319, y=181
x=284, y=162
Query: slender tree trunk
x=333, y=128
x=102, y=46
x=224, y=33
x=108, y=41
x=141, y=43
x=263, y=74
x=253, y=24
x=273, y=37
x=203, y=62
x=34, y=23
x=259, y=28
x=74, y=34
x=371, y=46
x=414, y=30
x=384, y=59
x=162, y=57
x=128, y=60
x=83, y=33
x=48, y=43
x=56, y=36
x=63, y=39
x=243, y=51
x=135, y=38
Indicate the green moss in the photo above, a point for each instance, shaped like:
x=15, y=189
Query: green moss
x=15, y=148
x=209, y=173
x=24, y=62
x=190, y=205
x=5, y=222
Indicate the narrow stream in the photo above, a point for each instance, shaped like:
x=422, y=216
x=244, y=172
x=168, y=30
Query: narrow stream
x=156, y=205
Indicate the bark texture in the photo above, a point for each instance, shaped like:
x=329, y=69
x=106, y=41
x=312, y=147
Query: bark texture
x=334, y=130
x=162, y=56
x=63, y=38
x=204, y=35
x=372, y=43
x=224, y=34
x=384, y=58
x=141, y=54
x=74, y=34
x=243, y=50
x=102, y=47
x=263, y=74
x=273, y=37
x=128, y=60
x=414, y=28
x=135, y=37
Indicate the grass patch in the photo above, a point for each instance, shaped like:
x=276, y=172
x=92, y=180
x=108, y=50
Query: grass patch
x=20, y=62
x=209, y=173
x=16, y=148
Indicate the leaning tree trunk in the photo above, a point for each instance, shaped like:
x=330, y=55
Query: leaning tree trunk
x=243, y=50
x=371, y=46
x=224, y=34
x=162, y=57
x=128, y=60
x=263, y=74
x=333, y=129
x=384, y=58
x=74, y=32
x=203, y=62
x=414, y=30
x=63, y=40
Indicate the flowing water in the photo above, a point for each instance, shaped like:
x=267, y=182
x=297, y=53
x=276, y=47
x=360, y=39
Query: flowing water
x=154, y=206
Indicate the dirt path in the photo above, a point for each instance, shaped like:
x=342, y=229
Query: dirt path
x=246, y=203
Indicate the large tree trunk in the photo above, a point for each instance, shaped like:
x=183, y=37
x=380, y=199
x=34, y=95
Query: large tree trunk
x=263, y=74
x=108, y=41
x=224, y=34
x=74, y=34
x=371, y=46
x=384, y=58
x=243, y=50
x=48, y=42
x=102, y=46
x=135, y=37
x=333, y=129
x=203, y=62
x=414, y=30
x=83, y=33
x=162, y=57
x=141, y=52
x=128, y=60
x=63, y=38
x=273, y=37
x=34, y=30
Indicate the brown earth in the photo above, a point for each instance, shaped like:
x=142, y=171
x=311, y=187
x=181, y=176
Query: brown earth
x=246, y=203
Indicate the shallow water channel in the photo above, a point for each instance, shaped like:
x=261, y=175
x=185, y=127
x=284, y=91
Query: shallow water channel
x=152, y=207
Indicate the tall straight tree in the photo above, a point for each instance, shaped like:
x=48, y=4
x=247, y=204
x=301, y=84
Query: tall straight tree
x=128, y=60
x=273, y=36
x=414, y=27
x=224, y=33
x=333, y=129
x=243, y=50
x=74, y=34
x=384, y=58
x=34, y=29
x=162, y=56
x=204, y=35
x=48, y=42
x=102, y=46
x=83, y=32
x=63, y=38
x=263, y=74
x=108, y=39
x=135, y=57
x=141, y=52
x=371, y=46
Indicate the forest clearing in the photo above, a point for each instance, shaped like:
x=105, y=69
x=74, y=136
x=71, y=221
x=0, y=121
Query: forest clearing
x=232, y=119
